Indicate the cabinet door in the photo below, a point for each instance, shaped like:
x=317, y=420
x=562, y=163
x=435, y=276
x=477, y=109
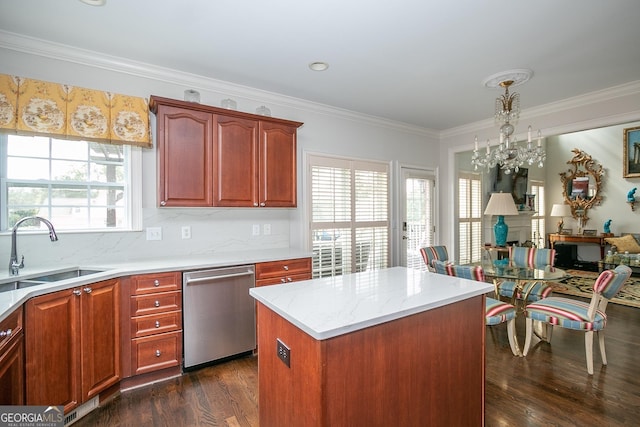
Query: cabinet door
x=100, y=321
x=236, y=167
x=277, y=165
x=52, y=338
x=185, y=143
x=12, y=373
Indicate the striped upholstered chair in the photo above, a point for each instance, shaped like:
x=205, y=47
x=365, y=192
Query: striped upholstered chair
x=496, y=312
x=530, y=258
x=432, y=253
x=579, y=315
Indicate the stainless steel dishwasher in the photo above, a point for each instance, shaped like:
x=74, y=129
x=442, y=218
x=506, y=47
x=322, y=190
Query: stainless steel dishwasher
x=219, y=314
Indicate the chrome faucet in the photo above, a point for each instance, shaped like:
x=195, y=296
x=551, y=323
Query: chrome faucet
x=14, y=265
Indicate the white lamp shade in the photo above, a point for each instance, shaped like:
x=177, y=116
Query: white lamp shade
x=560, y=210
x=501, y=204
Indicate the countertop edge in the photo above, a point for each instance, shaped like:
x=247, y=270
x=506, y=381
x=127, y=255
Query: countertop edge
x=11, y=300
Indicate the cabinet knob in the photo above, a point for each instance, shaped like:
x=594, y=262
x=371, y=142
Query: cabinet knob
x=77, y=292
x=163, y=203
x=282, y=280
x=263, y=204
x=286, y=268
x=87, y=290
x=157, y=323
x=157, y=303
x=289, y=279
x=157, y=353
x=6, y=333
x=156, y=283
x=255, y=204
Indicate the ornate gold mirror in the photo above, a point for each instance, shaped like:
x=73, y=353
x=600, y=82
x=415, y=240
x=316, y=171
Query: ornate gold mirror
x=581, y=185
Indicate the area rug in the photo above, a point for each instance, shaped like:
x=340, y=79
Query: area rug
x=581, y=284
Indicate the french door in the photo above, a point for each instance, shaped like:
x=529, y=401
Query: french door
x=417, y=215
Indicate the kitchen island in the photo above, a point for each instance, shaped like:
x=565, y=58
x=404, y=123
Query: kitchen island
x=378, y=348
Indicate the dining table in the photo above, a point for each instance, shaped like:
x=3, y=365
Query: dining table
x=521, y=276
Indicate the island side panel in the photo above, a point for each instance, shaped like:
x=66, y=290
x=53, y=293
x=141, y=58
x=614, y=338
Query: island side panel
x=424, y=369
x=287, y=396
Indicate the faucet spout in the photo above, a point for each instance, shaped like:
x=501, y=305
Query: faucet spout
x=14, y=265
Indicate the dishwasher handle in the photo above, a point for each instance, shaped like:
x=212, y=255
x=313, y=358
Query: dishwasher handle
x=218, y=277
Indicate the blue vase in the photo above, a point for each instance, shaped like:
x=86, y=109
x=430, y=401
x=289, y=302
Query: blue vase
x=500, y=229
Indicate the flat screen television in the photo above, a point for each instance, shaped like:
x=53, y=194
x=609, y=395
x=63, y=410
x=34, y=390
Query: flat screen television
x=514, y=183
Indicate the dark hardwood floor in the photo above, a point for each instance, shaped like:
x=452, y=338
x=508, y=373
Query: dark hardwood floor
x=550, y=387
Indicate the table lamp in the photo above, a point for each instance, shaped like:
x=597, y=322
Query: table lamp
x=501, y=204
x=560, y=210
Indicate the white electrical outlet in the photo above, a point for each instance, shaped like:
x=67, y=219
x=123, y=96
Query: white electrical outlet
x=186, y=231
x=154, y=233
x=256, y=229
x=266, y=229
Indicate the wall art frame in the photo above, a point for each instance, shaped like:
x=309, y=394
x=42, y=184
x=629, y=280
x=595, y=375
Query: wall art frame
x=631, y=153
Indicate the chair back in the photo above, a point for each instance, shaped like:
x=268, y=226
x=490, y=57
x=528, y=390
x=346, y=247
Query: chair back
x=531, y=257
x=609, y=282
x=473, y=272
x=432, y=253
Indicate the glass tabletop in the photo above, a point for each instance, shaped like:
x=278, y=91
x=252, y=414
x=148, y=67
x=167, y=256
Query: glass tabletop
x=525, y=273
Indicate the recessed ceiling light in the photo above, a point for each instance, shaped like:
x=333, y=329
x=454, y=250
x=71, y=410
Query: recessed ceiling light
x=318, y=66
x=94, y=2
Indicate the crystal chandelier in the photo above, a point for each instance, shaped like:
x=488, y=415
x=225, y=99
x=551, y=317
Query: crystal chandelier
x=509, y=155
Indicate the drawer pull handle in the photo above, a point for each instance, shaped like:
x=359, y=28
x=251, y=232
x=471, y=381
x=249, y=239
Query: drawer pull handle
x=282, y=280
x=289, y=279
x=157, y=353
x=157, y=303
x=156, y=283
x=6, y=333
x=286, y=268
x=157, y=323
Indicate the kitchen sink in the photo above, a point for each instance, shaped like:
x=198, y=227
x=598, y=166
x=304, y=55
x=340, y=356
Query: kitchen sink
x=19, y=283
x=64, y=275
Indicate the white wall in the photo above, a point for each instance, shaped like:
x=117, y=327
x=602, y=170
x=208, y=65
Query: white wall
x=325, y=130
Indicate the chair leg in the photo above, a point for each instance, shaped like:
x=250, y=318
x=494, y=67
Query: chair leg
x=588, y=346
x=603, y=353
x=527, y=340
x=513, y=341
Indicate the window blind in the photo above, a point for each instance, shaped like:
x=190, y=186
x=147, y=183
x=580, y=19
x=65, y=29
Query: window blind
x=349, y=207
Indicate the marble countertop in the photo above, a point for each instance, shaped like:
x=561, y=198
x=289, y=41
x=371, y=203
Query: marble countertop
x=332, y=306
x=10, y=300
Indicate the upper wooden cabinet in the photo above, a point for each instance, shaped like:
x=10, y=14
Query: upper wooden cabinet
x=209, y=156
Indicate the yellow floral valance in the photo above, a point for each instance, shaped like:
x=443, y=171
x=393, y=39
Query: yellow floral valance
x=36, y=107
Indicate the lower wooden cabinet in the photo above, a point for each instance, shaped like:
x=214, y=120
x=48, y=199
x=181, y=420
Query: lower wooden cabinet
x=284, y=271
x=12, y=360
x=152, y=337
x=72, y=344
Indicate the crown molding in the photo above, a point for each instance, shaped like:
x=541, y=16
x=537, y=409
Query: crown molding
x=614, y=92
x=66, y=53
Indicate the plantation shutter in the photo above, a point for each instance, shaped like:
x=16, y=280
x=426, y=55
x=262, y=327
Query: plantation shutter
x=349, y=215
x=469, y=217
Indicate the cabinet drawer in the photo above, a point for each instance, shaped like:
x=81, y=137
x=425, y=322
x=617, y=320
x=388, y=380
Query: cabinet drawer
x=142, y=305
x=290, y=267
x=10, y=327
x=156, y=352
x=151, y=283
x=156, y=324
x=283, y=279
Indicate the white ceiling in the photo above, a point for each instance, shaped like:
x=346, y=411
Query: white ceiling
x=420, y=62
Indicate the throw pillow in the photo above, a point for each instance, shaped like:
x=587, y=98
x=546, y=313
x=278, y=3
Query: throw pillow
x=624, y=244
